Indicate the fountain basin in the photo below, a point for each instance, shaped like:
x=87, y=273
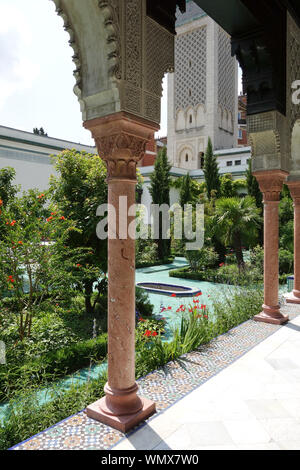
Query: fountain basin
x=169, y=289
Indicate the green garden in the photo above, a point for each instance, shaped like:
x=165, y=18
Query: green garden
x=53, y=282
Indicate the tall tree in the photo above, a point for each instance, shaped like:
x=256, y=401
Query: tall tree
x=77, y=191
x=253, y=186
x=7, y=189
x=40, y=132
x=211, y=171
x=160, y=193
x=237, y=221
x=186, y=196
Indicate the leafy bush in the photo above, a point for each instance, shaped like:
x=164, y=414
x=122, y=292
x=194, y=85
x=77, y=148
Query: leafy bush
x=225, y=274
x=51, y=366
x=286, y=261
x=201, y=259
x=143, y=305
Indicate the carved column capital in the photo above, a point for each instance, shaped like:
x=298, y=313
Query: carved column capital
x=271, y=183
x=121, y=140
x=294, y=187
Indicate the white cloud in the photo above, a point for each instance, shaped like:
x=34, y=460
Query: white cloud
x=17, y=71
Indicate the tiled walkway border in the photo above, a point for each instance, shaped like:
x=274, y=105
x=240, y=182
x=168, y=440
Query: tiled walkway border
x=165, y=386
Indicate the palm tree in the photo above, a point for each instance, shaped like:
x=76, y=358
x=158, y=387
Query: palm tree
x=237, y=222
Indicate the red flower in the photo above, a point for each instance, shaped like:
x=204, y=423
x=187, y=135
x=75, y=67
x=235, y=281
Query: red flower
x=221, y=264
x=63, y=218
x=199, y=293
x=11, y=279
x=154, y=333
x=169, y=308
x=142, y=319
x=173, y=295
x=147, y=333
x=20, y=243
x=1, y=202
x=13, y=223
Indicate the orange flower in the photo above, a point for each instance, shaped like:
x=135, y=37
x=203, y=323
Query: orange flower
x=1, y=202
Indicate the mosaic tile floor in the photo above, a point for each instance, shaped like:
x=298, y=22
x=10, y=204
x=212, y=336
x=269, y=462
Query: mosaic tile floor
x=165, y=386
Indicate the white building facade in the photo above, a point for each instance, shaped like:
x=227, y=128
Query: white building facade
x=202, y=91
x=30, y=156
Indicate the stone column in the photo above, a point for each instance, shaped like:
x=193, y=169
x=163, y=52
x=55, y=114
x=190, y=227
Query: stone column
x=121, y=140
x=294, y=297
x=271, y=183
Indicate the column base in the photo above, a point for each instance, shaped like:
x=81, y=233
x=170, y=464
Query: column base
x=271, y=315
x=101, y=412
x=293, y=297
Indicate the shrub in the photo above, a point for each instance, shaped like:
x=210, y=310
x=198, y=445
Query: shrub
x=286, y=261
x=201, y=259
x=51, y=366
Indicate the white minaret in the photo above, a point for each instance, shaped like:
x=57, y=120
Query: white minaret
x=203, y=90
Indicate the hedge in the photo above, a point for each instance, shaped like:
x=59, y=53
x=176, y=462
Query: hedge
x=55, y=363
x=211, y=276
x=149, y=264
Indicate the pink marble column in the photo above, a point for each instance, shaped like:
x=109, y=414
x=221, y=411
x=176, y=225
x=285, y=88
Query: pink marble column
x=294, y=297
x=271, y=183
x=121, y=140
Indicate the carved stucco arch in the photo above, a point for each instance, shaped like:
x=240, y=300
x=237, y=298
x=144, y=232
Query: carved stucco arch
x=293, y=110
x=94, y=37
x=121, y=56
x=183, y=149
x=268, y=137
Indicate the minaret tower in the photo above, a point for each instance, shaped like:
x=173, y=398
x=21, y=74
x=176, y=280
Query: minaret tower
x=202, y=91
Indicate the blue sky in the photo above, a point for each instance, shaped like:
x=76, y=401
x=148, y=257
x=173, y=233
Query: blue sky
x=36, y=72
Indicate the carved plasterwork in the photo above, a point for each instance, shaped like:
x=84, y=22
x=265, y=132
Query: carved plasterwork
x=121, y=56
x=293, y=68
x=293, y=110
x=268, y=138
x=121, y=141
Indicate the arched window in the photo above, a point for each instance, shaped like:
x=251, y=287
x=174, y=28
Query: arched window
x=191, y=119
x=186, y=157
